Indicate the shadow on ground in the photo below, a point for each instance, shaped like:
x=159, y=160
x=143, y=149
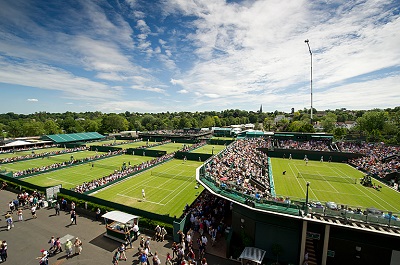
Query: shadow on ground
x=105, y=243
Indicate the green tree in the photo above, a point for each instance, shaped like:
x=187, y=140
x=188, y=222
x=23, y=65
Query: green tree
x=33, y=128
x=51, y=127
x=91, y=125
x=208, y=122
x=113, y=123
x=329, y=122
x=15, y=129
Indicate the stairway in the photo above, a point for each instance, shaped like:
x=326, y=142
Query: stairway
x=312, y=258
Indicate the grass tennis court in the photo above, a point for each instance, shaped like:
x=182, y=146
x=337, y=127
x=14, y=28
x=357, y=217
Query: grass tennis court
x=76, y=175
x=40, y=162
x=29, y=152
x=354, y=195
x=132, y=145
x=169, y=147
x=208, y=149
x=105, y=142
x=168, y=188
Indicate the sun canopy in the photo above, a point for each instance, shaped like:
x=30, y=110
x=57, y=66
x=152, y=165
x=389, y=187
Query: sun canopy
x=119, y=216
x=253, y=254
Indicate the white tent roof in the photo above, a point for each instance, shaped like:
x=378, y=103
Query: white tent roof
x=17, y=143
x=253, y=254
x=119, y=216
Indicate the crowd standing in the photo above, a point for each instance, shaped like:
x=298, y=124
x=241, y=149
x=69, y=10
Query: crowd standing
x=42, y=155
x=65, y=163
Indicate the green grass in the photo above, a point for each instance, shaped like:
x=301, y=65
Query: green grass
x=354, y=195
x=99, y=143
x=208, y=149
x=39, y=162
x=167, y=193
x=169, y=147
x=132, y=145
x=76, y=175
x=29, y=152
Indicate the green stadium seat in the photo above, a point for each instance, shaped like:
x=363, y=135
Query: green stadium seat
x=383, y=221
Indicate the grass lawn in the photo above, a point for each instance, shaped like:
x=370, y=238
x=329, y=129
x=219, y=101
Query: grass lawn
x=222, y=138
x=208, y=149
x=169, y=147
x=354, y=195
x=132, y=145
x=168, y=188
x=99, y=143
x=39, y=162
x=29, y=152
x=76, y=175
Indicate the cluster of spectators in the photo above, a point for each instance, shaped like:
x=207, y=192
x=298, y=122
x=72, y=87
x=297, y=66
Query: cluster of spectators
x=118, y=174
x=64, y=164
x=121, y=143
x=42, y=155
x=148, y=145
x=379, y=159
x=180, y=132
x=242, y=167
x=26, y=200
x=314, y=145
x=189, y=148
x=20, y=149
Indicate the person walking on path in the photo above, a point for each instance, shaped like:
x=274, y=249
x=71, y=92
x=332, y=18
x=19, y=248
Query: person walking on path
x=9, y=221
x=57, y=208
x=68, y=248
x=44, y=258
x=52, y=242
x=116, y=257
x=98, y=213
x=33, y=211
x=58, y=245
x=78, y=246
x=122, y=253
x=20, y=215
x=73, y=217
x=3, y=251
x=156, y=259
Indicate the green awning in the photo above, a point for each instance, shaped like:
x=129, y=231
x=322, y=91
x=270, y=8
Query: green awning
x=321, y=136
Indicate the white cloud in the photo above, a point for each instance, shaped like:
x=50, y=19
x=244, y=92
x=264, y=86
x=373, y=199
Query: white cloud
x=150, y=89
x=176, y=81
x=32, y=100
x=183, y=91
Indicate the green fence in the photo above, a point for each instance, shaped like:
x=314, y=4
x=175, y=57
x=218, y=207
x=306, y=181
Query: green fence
x=220, y=142
x=312, y=155
x=66, y=166
x=118, y=206
x=100, y=148
x=6, y=177
x=192, y=156
x=127, y=176
x=145, y=152
x=180, y=225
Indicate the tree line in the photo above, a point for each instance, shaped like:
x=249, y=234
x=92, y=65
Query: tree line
x=371, y=125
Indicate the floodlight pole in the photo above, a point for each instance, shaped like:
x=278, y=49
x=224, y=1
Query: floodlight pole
x=306, y=210
x=309, y=49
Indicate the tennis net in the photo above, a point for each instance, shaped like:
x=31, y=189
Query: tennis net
x=173, y=176
x=327, y=178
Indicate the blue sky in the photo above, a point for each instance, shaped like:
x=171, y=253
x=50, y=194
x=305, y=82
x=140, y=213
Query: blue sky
x=197, y=55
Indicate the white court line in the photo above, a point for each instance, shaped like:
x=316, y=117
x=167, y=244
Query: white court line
x=311, y=190
x=61, y=181
x=341, y=193
x=372, y=194
x=141, y=199
x=178, y=192
x=329, y=183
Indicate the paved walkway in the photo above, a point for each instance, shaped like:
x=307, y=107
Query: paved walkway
x=28, y=237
